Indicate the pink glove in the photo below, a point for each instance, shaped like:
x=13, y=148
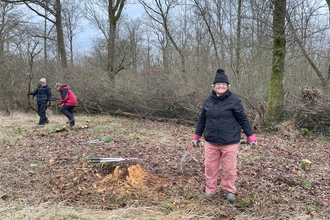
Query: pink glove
x=252, y=139
x=195, y=141
x=196, y=137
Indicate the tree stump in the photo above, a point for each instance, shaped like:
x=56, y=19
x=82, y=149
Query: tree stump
x=306, y=165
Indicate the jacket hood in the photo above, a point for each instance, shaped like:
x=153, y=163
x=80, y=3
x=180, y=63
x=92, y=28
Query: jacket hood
x=63, y=87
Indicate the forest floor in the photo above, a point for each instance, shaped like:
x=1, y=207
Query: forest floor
x=46, y=172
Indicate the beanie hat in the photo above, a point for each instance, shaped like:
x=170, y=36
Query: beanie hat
x=220, y=77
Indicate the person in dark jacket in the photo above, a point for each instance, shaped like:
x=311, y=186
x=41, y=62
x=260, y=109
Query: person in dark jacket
x=68, y=102
x=44, y=97
x=220, y=120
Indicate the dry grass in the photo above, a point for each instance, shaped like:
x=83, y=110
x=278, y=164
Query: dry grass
x=15, y=125
x=61, y=211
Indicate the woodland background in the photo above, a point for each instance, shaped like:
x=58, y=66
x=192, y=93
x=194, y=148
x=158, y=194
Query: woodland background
x=161, y=66
x=162, y=63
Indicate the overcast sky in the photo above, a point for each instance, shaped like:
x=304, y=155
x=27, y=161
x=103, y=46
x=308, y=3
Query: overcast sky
x=84, y=39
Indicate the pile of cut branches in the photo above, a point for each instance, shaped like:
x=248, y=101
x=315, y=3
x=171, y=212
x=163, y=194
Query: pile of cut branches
x=314, y=114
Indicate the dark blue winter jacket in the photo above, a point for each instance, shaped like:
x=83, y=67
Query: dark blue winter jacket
x=221, y=118
x=44, y=94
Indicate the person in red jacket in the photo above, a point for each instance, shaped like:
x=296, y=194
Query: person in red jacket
x=68, y=102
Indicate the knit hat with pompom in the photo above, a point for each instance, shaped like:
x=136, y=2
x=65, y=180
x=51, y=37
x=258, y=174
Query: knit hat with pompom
x=220, y=77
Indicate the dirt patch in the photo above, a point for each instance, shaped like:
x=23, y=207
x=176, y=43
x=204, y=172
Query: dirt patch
x=123, y=178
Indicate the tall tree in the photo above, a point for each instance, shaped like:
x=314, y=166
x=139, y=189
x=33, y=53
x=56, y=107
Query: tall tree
x=238, y=36
x=324, y=80
x=160, y=14
x=9, y=20
x=204, y=12
x=71, y=17
x=55, y=9
x=328, y=3
x=275, y=95
x=113, y=10
x=132, y=31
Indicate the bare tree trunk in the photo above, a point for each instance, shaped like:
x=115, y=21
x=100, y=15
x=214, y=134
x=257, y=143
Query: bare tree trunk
x=111, y=43
x=114, y=13
x=324, y=81
x=59, y=31
x=238, y=44
x=328, y=3
x=71, y=49
x=160, y=15
x=45, y=40
x=7, y=24
x=2, y=48
x=32, y=54
x=56, y=12
x=71, y=13
x=204, y=12
x=275, y=95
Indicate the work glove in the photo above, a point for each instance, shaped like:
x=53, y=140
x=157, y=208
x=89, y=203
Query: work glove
x=60, y=105
x=195, y=141
x=48, y=103
x=252, y=140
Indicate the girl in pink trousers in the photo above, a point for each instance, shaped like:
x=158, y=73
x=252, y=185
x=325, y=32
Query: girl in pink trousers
x=220, y=120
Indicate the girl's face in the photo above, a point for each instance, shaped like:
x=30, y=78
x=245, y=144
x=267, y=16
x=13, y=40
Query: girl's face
x=43, y=84
x=220, y=88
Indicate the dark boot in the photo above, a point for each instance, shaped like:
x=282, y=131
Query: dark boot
x=230, y=197
x=72, y=122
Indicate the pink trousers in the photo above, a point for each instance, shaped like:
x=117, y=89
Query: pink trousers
x=227, y=155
